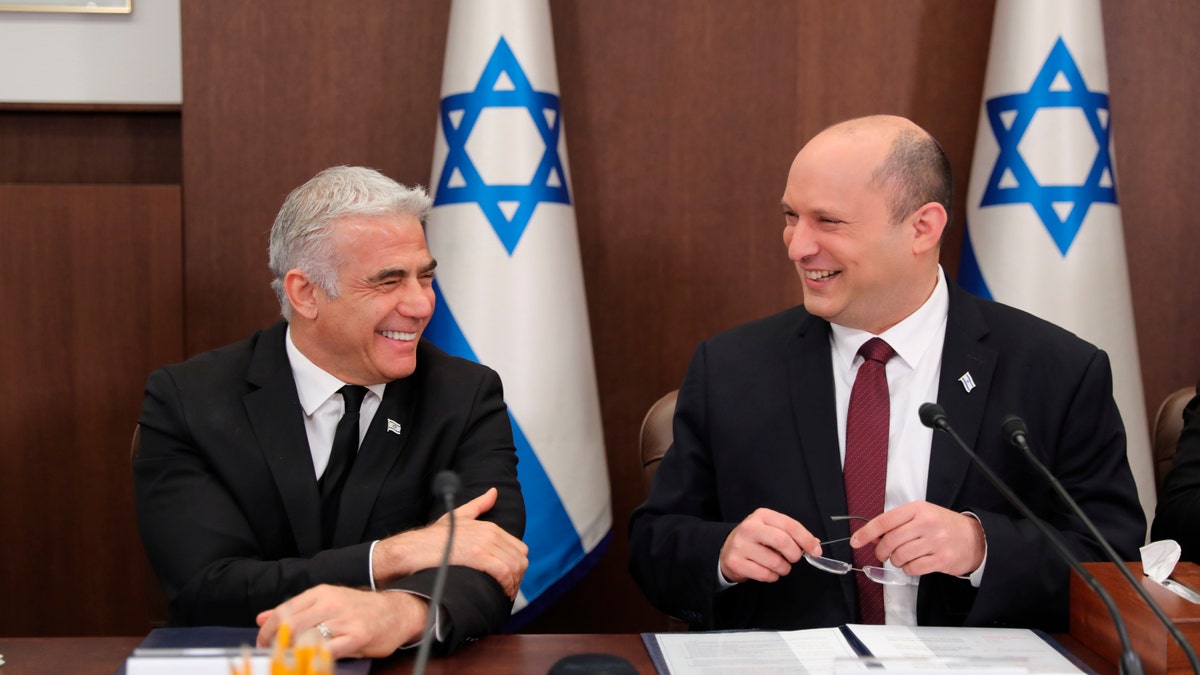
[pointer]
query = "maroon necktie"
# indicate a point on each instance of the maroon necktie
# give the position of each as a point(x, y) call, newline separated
point(865, 470)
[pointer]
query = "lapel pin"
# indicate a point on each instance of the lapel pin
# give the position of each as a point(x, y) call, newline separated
point(393, 426)
point(968, 382)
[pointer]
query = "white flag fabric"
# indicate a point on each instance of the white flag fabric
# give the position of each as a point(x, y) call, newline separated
point(1043, 222)
point(509, 279)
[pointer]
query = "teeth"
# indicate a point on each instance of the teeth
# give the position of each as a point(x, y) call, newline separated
point(397, 335)
point(817, 275)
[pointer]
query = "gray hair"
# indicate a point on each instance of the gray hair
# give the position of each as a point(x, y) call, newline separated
point(301, 237)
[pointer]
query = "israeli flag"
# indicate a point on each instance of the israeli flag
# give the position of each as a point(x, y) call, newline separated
point(509, 279)
point(1043, 222)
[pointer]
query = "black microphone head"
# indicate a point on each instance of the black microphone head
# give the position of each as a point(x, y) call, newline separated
point(592, 664)
point(446, 484)
point(932, 415)
point(1013, 430)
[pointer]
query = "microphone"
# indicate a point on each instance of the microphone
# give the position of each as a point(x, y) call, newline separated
point(934, 416)
point(446, 486)
point(1013, 430)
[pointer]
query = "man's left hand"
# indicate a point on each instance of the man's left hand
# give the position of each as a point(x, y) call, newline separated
point(362, 623)
point(920, 538)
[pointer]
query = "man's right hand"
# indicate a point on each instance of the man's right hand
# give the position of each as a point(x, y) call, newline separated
point(764, 546)
point(478, 544)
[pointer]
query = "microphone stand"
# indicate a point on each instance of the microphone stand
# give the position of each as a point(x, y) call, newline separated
point(1014, 430)
point(446, 484)
point(934, 417)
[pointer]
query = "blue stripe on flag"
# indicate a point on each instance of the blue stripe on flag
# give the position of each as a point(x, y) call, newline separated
point(970, 277)
point(555, 591)
point(554, 544)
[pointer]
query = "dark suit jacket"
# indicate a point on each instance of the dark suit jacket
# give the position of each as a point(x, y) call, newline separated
point(755, 426)
point(1178, 515)
point(227, 498)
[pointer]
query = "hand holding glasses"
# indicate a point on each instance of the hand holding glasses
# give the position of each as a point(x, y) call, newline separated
point(881, 575)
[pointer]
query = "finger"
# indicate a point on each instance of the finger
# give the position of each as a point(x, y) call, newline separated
point(478, 506)
point(743, 545)
point(265, 635)
point(781, 543)
point(262, 617)
point(799, 538)
point(763, 565)
point(881, 525)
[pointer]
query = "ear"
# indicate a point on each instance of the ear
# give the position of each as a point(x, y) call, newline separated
point(302, 293)
point(928, 225)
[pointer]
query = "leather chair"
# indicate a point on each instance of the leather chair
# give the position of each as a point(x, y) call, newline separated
point(1168, 423)
point(656, 437)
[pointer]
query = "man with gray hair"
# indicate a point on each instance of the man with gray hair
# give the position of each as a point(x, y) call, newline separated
point(287, 477)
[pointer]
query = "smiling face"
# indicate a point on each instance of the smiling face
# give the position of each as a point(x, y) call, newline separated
point(858, 267)
point(369, 333)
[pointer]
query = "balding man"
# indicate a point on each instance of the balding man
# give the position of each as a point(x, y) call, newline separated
point(803, 491)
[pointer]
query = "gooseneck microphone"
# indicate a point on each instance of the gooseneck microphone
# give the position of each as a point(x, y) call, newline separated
point(446, 486)
point(1013, 430)
point(934, 416)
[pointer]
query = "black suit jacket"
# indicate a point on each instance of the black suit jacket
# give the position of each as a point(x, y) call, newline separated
point(1178, 515)
point(755, 426)
point(227, 499)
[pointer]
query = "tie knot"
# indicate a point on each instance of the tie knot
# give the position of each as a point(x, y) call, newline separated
point(876, 349)
point(352, 395)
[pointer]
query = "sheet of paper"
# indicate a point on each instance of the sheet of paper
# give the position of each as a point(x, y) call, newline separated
point(983, 647)
point(805, 651)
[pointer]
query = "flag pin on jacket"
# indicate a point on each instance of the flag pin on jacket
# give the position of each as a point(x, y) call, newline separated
point(968, 382)
point(393, 426)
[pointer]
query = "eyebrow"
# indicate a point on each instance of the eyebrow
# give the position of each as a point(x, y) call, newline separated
point(393, 272)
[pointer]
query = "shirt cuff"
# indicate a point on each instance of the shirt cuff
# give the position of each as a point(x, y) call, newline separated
point(371, 564)
point(438, 630)
point(722, 582)
point(976, 577)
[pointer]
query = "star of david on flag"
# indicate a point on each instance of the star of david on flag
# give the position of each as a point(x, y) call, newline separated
point(1043, 230)
point(509, 285)
point(1061, 208)
point(508, 207)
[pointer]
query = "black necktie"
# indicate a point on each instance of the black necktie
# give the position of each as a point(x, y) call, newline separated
point(345, 448)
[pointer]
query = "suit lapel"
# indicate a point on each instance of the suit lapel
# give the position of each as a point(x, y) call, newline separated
point(278, 422)
point(380, 449)
point(810, 375)
point(816, 418)
point(963, 389)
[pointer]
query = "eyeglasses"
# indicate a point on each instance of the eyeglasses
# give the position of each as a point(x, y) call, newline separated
point(880, 575)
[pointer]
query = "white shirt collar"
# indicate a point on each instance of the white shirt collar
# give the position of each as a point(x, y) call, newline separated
point(314, 385)
point(910, 338)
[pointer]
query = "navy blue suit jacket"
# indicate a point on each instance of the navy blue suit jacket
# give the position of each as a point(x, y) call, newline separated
point(755, 426)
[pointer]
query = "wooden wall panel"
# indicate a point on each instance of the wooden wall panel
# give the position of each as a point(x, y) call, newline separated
point(1154, 72)
point(681, 119)
point(92, 299)
point(274, 91)
point(83, 145)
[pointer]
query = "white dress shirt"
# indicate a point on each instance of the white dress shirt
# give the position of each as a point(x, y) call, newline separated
point(323, 408)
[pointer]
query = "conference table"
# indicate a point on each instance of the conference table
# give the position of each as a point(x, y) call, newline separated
point(494, 655)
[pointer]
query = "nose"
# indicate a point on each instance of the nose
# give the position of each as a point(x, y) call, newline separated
point(799, 241)
point(417, 300)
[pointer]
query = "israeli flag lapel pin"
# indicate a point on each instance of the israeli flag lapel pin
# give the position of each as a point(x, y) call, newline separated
point(968, 382)
point(393, 426)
